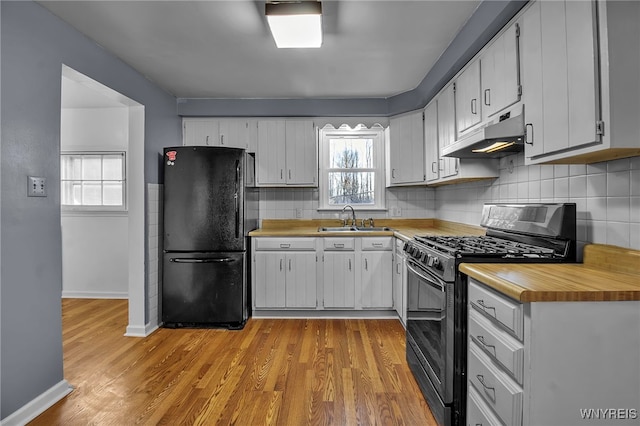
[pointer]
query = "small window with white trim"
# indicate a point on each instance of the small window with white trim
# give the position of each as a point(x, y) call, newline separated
point(93, 181)
point(352, 168)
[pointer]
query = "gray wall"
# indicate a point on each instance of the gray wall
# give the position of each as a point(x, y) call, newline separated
point(34, 46)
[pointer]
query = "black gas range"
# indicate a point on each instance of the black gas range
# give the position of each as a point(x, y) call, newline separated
point(437, 293)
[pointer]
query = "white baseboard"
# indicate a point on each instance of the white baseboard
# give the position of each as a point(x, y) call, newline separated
point(140, 331)
point(95, 295)
point(325, 314)
point(38, 405)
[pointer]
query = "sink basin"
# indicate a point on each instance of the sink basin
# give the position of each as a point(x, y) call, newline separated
point(338, 229)
point(374, 228)
point(354, 229)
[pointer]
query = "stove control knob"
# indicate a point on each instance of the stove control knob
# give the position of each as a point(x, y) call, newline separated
point(430, 260)
point(436, 263)
point(423, 256)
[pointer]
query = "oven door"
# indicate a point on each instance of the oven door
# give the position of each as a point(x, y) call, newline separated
point(430, 326)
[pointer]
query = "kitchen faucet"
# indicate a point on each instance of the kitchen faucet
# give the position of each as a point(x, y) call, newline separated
point(353, 214)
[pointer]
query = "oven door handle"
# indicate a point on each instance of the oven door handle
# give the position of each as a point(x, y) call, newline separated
point(427, 279)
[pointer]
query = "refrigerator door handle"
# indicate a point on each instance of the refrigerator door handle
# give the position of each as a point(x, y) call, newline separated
point(202, 260)
point(236, 200)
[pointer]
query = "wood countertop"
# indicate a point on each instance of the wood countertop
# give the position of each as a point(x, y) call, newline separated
point(609, 273)
point(401, 228)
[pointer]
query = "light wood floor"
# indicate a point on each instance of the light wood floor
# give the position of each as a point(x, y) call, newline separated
point(281, 372)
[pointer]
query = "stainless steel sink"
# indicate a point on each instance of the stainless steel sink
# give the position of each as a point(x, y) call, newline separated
point(353, 229)
point(338, 229)
point(374, 228)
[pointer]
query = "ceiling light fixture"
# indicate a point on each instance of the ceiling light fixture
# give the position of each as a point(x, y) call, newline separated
point(295, 24)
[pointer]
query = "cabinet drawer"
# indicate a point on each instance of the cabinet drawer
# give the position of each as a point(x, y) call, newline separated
point(497, 389)
point(504, 311)
point(478, 414)
point(339, 243)
point(497, 343)
point(285, 243)
point(377, 243)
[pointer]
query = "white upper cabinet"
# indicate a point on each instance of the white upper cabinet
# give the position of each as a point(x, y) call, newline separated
point(580, 81)
point(447, 130)
point(431, 141)
point(231, 132)
point(406, 149)
point(301, 153)
point(200, 132)
point(468, 106)
point(560, 76)
point(440, 132)
point(499, 73)
point(287, 153)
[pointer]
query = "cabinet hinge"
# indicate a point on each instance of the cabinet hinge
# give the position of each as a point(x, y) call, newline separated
point(422, 115)
point(519, 89)
point(454, 87)
point(517, 30)
point(600, 127)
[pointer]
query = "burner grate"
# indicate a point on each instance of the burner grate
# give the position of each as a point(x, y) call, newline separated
point(483, 245)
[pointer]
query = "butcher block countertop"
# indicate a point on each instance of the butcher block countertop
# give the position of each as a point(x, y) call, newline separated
point(401, 228)
point(609, 273)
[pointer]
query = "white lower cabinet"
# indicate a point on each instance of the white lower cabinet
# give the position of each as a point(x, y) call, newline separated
point(551, 363)
point(339, 272)
point(284, 273)
point(399, 281)
point(376, 262)
point(356, 273)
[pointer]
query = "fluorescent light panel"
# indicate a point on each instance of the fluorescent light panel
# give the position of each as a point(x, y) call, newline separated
point(295, 24)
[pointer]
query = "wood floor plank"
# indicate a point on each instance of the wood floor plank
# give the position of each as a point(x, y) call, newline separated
point(273, 372)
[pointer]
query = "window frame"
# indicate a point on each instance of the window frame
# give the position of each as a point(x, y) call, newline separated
point(70, 208)
point(377, 134)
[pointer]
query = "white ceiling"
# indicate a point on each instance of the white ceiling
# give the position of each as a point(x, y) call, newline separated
point(223, 49)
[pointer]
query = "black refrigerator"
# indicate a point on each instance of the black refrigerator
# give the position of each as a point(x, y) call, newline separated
point(208, 211)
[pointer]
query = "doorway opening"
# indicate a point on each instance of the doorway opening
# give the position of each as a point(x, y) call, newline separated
point(102, 195)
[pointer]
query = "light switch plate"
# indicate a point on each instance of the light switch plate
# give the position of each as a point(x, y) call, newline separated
point(36, 186)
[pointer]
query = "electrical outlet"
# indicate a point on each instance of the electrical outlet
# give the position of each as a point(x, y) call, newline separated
point(298, 213)
point(396, 211)
point(36, 186)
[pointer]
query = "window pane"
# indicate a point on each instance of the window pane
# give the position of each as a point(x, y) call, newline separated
point(351, 188)
point(92, 167)
point(91, 193)
point(112, 167)
point(112, 193)
point(71, 195)
point(351, 153)
point(71, 167)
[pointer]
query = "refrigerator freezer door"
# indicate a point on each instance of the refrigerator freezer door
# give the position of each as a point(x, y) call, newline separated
point(202, 289)
point(204, 199)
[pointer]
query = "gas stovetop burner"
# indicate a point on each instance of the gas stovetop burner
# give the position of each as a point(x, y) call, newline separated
point(482, 245)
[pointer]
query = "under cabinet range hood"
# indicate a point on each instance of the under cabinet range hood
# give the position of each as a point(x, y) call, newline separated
point(495, 140)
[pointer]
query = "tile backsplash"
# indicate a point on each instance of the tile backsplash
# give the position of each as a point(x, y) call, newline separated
point(607, 197)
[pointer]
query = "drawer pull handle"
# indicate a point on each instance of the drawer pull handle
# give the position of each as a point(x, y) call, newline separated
point(485, 307)
point(349, 264)
point(480, 378)
point(481, 340)
point(377, 244)
point(336, 245)
point(285, 245)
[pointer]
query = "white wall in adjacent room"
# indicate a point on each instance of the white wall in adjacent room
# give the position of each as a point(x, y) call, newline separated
point(94, 245)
